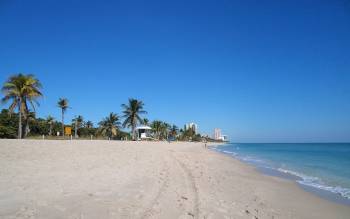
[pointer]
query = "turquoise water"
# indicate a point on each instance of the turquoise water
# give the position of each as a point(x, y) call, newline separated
point(321, 166)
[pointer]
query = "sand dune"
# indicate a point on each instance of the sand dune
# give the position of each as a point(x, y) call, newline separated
point(111, 179)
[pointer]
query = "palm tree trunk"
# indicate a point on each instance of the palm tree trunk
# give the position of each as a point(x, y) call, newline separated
point(76, 129)
point(133, 132)
point(62, 123)
point(26, 130)
point(19, 122)
point(50, 130)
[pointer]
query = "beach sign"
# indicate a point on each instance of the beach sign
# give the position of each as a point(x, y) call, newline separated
point(67, 130)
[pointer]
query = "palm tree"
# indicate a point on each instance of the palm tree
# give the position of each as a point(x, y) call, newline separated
point(157, 128)
point(145, 121)
point(110, 125)
point(132, 113)
point(77, 124)
point(174, 130)
point(166, 127)
point(63, 104)
point(50, 120)
point(21, 89)
point(89, 124)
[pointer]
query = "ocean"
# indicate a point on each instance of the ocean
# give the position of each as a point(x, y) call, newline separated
point(323, 168)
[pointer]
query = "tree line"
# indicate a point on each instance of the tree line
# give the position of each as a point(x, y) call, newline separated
point(22, 92)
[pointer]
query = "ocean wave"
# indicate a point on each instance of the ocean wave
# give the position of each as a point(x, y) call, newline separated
point(251, 159)
point(317, 183)
point(229, 152)
point(226, 152)
point(247, 159)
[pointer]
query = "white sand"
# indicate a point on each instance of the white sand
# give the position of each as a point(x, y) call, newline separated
point(110, 179)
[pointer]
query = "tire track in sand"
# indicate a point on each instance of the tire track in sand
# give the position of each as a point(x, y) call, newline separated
point(193, 208)
point(177, 194)
point(150, 211)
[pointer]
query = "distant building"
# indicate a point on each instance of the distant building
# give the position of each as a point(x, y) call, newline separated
point(192, 126)
point(224, 138)
point(218, 136)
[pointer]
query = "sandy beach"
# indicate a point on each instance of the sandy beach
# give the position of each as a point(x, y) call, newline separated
point(113, 179)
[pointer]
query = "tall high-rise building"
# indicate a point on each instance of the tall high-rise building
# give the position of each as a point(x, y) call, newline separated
point(217, 134)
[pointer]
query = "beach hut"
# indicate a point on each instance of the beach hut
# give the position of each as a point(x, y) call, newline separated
point(143, 132)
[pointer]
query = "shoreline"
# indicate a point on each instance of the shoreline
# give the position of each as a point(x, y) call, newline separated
point(112, 179)
point(321, 193)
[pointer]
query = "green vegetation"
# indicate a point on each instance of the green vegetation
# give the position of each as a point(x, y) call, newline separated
point(189, 135)
point(110, 125)
point(38, 126)
point(8, 124)
point(24, 90)
point(174, 130)
point(132, 112)
point(162, 130)
point(50, 120)
point(145, 121)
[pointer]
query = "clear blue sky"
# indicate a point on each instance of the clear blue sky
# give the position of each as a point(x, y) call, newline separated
point(262, 71)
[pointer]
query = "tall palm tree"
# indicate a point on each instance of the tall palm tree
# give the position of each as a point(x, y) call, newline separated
point(21, 89)
point(132, 112)
point(63, 104)
point(77, 124)
point(110, 125)
point(50, 120)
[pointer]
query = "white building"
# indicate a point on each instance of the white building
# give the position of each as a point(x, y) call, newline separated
point(192, 126)
point(224, 138)
point(143, 132)
point(218, 136)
